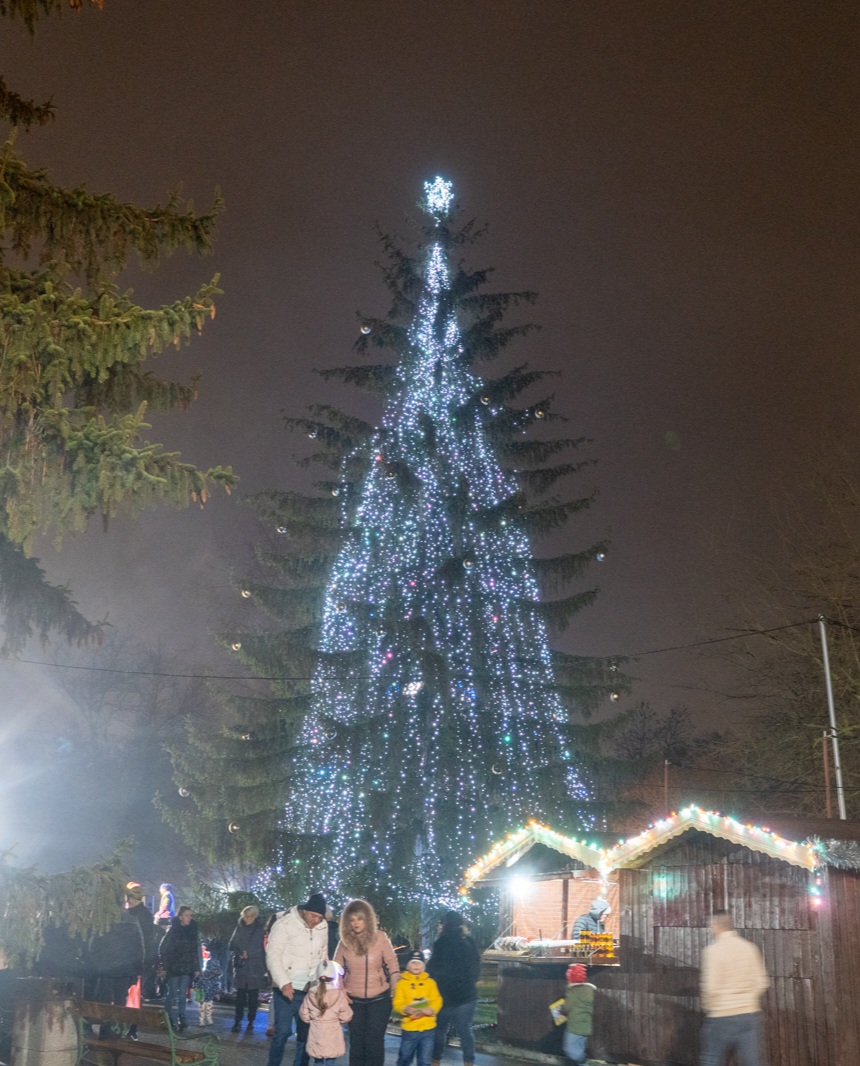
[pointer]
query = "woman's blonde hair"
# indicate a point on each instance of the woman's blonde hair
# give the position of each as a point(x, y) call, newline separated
point(359, 942)
point(250, 910)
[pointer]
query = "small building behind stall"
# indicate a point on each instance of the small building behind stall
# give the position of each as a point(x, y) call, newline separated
point(794, 892)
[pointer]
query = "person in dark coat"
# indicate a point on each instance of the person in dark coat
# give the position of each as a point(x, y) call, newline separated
point(115, 960)
point(455, 965)
point(402, 949)
point(593, 921)
point(333, 932)
point(248, 962)
point(137, 911)
point(179, 961)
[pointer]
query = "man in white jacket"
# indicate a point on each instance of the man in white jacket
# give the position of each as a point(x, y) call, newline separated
point(298, 943)
point(733, 980)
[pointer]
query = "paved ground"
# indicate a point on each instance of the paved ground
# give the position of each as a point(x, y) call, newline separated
point(251, 1048)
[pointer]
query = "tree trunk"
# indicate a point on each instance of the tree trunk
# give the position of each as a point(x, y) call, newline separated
point(44, 1031)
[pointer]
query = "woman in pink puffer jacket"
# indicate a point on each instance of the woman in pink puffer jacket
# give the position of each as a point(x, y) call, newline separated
point(371, 971)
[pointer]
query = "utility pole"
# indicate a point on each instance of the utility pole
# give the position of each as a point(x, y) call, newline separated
point(666, 787)
point(827, 807)
point(834, 736)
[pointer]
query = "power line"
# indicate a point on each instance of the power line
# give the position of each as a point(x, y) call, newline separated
point(208, 676)
point(713, 640)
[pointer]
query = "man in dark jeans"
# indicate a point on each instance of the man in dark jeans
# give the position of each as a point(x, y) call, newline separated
point(179, 961)
point(455, 965)
point(298, 943)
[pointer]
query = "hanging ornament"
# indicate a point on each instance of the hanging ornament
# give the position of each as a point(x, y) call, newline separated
point(540, 413)
point(341, 607)
point(282, 530)
point(365, 329)
point(468, 563)
point(613, 668)
point(184, 793)
point(497, 769)
point(615, 696)
point(312, 433)
point(485, 400)
point(600, 557)
point(233, 827)
point(245, 594)
point(246, 736)
point(380, 631)
point(335, 491)
point(390, 473)
point(236, 645)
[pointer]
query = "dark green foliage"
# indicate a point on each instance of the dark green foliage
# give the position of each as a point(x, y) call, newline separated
point(73, 384)
point(30, 11)
point(83, 901)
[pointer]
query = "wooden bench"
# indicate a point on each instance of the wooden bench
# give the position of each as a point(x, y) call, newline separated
point(105, 1050)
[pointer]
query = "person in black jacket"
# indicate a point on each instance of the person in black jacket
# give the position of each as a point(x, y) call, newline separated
point(455, 965)
point(179, 961)
point(249, 964)
point(137, 911)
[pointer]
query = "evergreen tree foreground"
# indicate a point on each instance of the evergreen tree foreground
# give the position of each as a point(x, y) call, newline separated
point(74, 390)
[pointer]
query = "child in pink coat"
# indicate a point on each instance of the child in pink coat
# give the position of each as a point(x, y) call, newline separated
point(326, 1008)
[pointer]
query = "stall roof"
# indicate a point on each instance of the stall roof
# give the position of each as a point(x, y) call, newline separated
point(804, 842)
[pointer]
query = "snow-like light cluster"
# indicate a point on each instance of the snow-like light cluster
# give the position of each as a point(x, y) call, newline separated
point(438, 197)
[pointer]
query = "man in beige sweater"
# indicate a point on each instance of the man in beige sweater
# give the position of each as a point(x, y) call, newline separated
point(733, 980)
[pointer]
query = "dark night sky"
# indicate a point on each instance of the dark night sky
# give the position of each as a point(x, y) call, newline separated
point(677, 180)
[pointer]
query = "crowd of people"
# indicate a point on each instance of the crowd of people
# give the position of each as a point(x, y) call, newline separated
point(323, 975)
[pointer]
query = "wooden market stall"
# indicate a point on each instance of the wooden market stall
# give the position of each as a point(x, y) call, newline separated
point(792, 888)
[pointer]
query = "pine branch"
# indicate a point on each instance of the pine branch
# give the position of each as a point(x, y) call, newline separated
point(93, 233)
point(541, 479)
point(83, 901)
point(296, 508)
point(23, 113)
point(86, 465)
point(377, 378)
point(557, 572)
point(56, 341)
point(30, 11)
point(518, 452)
point(557, 614)
point(482, 342)
point(295, 570)
point(30, 606)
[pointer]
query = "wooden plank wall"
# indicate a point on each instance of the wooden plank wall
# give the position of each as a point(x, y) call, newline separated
point(842, 895)
point(648, 1010)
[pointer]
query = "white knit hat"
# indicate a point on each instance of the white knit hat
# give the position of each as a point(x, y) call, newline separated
point(329, 970)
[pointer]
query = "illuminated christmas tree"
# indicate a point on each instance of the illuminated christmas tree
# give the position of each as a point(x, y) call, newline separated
point(415, 710)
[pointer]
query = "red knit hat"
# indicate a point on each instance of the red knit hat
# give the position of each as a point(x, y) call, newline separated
point(576, 973)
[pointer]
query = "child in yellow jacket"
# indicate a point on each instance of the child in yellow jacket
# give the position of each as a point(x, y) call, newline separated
point(417, 999)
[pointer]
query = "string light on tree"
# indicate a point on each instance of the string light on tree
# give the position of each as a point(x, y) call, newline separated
point(451, 697)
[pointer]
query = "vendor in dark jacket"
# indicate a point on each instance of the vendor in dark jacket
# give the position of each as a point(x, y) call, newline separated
point(455, 965)
point(179, 961)
point(249, 964)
